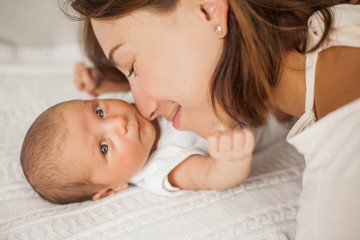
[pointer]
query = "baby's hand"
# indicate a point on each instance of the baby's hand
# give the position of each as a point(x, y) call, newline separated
point(95, 83)
point(229, 144)
point(86, 79)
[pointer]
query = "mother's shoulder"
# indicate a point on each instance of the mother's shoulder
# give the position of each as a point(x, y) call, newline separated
point(337, 80)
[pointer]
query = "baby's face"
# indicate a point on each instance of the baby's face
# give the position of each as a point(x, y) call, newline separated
point(107, 138)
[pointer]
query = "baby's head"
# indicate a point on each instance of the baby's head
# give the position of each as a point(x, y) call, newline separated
point(80, 150)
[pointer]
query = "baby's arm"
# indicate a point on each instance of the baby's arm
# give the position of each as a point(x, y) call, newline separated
point(95, 83)
point(229, 164)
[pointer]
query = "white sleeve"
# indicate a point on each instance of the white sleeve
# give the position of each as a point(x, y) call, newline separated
point(154, 176)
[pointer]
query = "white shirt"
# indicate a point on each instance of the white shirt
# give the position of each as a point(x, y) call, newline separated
point(329, 205)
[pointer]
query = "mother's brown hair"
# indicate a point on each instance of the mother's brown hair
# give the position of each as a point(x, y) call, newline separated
point(259, 32)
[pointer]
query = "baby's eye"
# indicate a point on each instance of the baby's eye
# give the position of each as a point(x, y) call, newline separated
point(132, 70)
point(104, 147)
point(99, 112)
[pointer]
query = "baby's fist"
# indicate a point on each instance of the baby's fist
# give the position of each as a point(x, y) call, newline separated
point(230, 144)
point(86, 78)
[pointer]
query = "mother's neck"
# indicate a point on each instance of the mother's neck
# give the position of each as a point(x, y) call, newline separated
point(289, 92)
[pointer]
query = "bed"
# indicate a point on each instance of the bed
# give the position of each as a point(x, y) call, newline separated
point(32, 78)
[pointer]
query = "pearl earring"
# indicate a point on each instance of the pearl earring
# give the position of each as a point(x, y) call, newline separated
point(218, 30)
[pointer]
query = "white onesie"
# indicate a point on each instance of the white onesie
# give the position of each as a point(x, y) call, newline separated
point(173, 147)
point(329, 206)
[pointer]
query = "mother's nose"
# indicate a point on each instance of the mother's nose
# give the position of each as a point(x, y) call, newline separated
point(147, 108)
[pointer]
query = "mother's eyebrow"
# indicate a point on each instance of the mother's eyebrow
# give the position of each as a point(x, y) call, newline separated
point(111, 53)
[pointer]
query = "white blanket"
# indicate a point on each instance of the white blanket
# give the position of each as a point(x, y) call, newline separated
point(262, 207)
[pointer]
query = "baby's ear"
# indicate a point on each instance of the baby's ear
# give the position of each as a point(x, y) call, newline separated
point(108, 191)
point(121, 187)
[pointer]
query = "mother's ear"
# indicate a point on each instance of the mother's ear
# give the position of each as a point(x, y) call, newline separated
point(109, 190)
point(215, 12)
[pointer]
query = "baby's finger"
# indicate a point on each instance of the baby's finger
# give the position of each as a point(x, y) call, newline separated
point(88, 81)
point(249, 144)
point(225, 142)
point(238, 140)
point(223, 127)
point(93, 94)
point(212, 144)
point(78, 79)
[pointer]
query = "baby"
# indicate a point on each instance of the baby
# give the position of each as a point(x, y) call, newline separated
point(89, 149)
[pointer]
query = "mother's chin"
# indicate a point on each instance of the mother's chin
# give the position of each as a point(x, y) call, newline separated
point(204, 127)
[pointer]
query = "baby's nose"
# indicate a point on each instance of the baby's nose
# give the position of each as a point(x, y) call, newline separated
point(118, 124)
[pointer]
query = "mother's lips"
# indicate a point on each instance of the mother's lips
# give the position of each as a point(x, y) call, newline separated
point(172, 115)
point(177, 118)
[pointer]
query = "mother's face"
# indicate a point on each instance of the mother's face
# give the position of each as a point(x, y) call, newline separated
point(173, 57)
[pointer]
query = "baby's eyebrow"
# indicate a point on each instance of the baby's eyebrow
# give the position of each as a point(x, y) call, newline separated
point(92, 104)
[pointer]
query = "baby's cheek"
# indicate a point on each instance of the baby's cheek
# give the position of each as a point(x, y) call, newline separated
point(138, 159)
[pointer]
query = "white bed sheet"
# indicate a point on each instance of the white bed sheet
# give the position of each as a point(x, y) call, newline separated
point(32, 79)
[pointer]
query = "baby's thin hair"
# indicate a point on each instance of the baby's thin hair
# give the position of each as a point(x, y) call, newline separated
point(45, 164)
